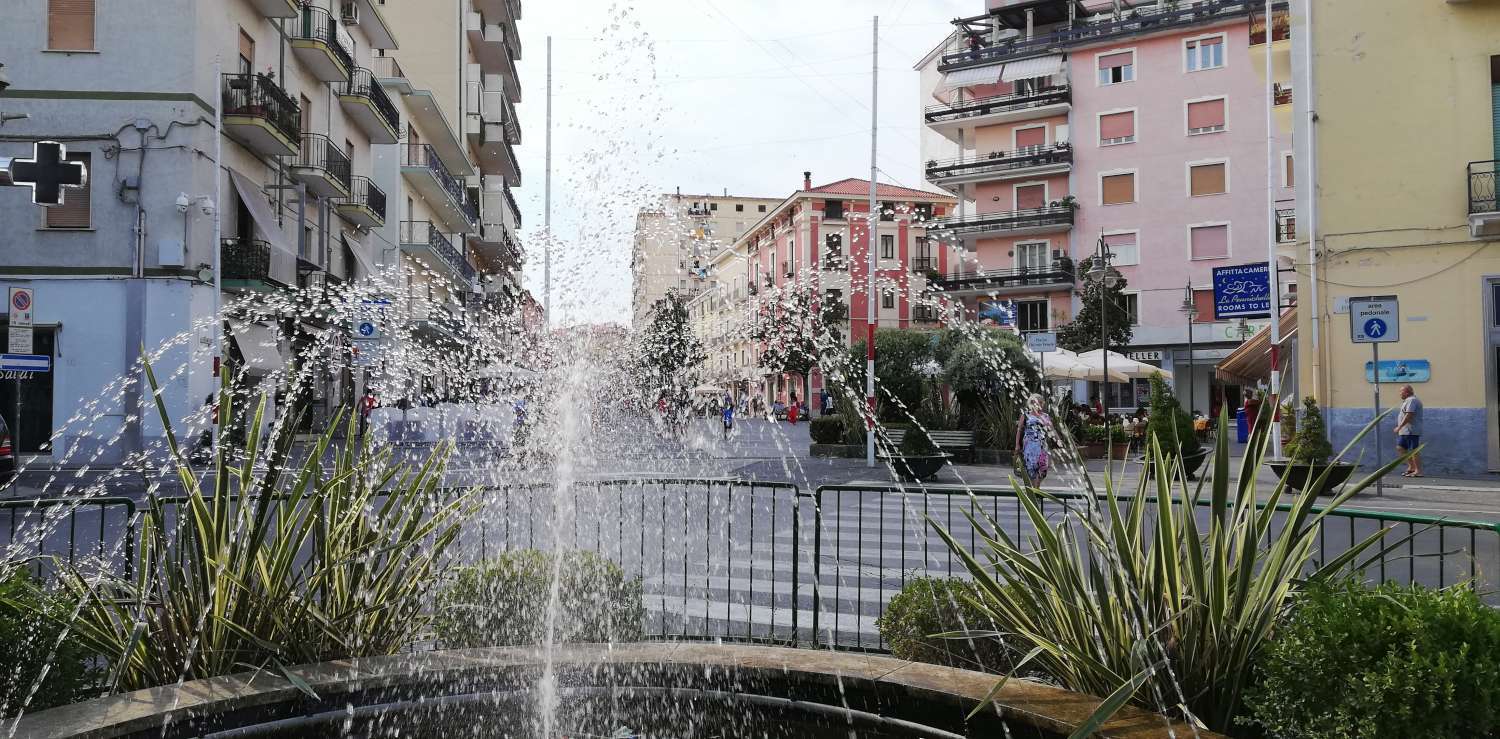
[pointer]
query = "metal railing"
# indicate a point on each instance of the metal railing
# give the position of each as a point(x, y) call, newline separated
point(319, 152)
point(1009, 220)
point(1056, 274)
point(362, 84)
point(252, 259)
point(767, 562)
point(1286, 225)
point(1145, 19)
point(424, 155)
point(1010, 102)
point(318, 25)
point(924, 264)
point(515, 210)
point(1482, 186)
point(259, 96)
point(1281, 28)
point(1281, 94)
point(1001, 161)
point(364, 191)
point(386, 67)
point(424, 233)
point(924, 314)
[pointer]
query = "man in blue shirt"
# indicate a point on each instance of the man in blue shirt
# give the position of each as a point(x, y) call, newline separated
point(728, 414)
point(1409, 430)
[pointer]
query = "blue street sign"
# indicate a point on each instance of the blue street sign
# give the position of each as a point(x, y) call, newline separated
point(25, 363)
point(1375, 328)
point(366, 328)
point(1374, 320)
point(1242, 291)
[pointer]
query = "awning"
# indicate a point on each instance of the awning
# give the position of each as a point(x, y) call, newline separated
point(260, 212)
point(1251, 361)
point(357, 249)
point(259, 345)
point(972, 76)
point(1040, 66)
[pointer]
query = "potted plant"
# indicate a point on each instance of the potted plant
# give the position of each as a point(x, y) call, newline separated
point(918, 458)
point(1288, 413)
point(1095, 436)
point(1308, 466)
point(1172, 428)
point(1119, 440)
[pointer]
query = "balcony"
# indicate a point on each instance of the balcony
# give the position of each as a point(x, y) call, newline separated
point(259, 114)
point(924, 314)
point(924, 265)
point(1286, 225)
point(316, 43)
point(496, 242)
point(365, 205)
point(322, 167)
point(833, 260)
point(948, 118)
point(1280, 47)
point(278, 8)
point(364, 101)
point(493, 46)
point(254, 265)
point(425, 172)
point(505, 12)
point(1137, 21)
point(429, 245)
point(1004, 223)
point(489, 129)
point(1050, 278)
point(388, 73)
point(1484, 209)
point(1002, 165)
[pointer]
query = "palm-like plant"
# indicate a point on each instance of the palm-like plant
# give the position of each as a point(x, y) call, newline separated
point(1130, 598)
point(271, 568)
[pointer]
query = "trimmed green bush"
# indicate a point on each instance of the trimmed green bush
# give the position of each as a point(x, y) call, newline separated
point(30, 621)
point(927, 606)
point(916, 443)
point(1168, 422)
point(503, 602)
point(1352, 662)
point(1310, 443)
point(827, 429)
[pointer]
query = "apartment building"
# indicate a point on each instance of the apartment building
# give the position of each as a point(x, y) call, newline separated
point(676, 237)
point(1137, 128)
point(1395, 200)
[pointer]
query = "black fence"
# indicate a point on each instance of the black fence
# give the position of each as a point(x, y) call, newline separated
point(257, 95)
point(1482, 198)
point(763, 562)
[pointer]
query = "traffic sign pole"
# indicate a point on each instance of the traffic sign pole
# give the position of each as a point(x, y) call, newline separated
point(1379, 443)
point(1375, 320)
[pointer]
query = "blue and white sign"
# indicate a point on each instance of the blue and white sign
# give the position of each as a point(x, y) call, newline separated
point(1398, 371)
point(25, 363)
point(1242, 291)
point(998, 313)
point(1374, 320)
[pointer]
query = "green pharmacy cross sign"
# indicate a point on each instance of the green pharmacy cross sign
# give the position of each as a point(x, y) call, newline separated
point(48, 173)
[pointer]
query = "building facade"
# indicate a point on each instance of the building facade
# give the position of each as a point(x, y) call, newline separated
point(314, 182)
point(1136, 128)
point(1396, 201)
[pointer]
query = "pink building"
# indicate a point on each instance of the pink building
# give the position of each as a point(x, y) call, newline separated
point(1139, 124)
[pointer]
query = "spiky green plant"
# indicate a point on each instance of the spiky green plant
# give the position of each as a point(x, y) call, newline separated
point(1129, 598)
point(270, 568)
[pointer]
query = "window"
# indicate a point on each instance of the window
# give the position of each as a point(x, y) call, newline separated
point(887, 211)
point(1288, 172)
point(833, 248)
point(888, 299)
point(349, 151)
point(1116, 128)
point(70, 25)
point(306, 114)
point(1123, 248)
point(739, 208)
point(1208, 179)
point(1205, 53)
point(1131, 305)
point(1031, 196)
point(922, 211)
point(1205, 116)
point(1116, 68)
point(1117, 189)
point(1208, 242)
point(1034, 137)
point(1035, 256)
point(887, 246)
point(833, 209)
point(713, 206)
point(762, 208)
point(247, 53)
point(74, 211)
point(1031, 315)
point(1203, 300)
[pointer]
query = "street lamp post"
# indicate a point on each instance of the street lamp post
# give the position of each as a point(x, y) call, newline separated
point(1106, 277)
point(1189, 310)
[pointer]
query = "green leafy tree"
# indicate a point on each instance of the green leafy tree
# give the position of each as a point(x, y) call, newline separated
point(796, 333)
point(1082, 333)
point(1168, 422)
point(900, 387)
point(1310, 445)
point(669, 352)
point(991, 376)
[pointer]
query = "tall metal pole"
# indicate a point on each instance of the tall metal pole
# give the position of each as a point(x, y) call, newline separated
point(1103, 286)
point(1275, 273)
point(547, 205)
point(1379, 444)
point(1192, 389)
point(218, 335)
point(870, 230)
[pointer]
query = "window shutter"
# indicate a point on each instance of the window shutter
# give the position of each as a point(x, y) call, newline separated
point(74, 211)
point(1116, 126)
point(1291, 170)
point(1207, 179)
point(1206, 114)
point(1495, 115)
point(1203, 300)
point(1210, 242)
point(1110, 61)
point(1031, 196)
point(1124, 249)
point(1029, 137)
point(1119, 188)
point(70, 25)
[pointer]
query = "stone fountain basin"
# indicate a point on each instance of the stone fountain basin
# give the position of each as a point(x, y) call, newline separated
point(873, 695)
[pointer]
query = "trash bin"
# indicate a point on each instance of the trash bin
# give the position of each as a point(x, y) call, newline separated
point(1241, 426)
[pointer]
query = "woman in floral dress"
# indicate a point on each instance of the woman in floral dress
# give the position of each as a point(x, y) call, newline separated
point(1031, 440)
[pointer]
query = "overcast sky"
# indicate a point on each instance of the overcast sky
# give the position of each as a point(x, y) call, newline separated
point(653, 95)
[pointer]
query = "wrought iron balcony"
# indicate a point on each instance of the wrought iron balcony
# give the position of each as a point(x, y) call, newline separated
point(423, 158)
point(322, 167)
point(1281, 94)
point(987, 280)
point(365, 205)
point(259, 112)
point(1009, 103)
point(366, 102)
point(1029, 220)
point(924, 314)
point(1286, 225)
point(1000, 162)
point(1484, 208)
point(315, 40)
point(424, 235)
point(250, 260)
point(924, 264)
point(1147, 19)
point(832, 260)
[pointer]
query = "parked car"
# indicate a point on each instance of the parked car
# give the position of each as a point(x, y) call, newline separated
point(7, 454)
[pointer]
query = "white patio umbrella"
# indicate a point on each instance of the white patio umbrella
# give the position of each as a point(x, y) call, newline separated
point(1063, 365)
point(1121, 367)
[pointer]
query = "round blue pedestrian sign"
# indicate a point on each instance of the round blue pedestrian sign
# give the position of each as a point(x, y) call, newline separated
point(1375, 328)
point(366, 329)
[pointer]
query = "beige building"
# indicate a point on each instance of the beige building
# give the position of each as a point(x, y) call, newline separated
point(676, 239)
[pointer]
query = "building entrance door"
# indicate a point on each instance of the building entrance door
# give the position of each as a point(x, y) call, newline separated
point(33, 432)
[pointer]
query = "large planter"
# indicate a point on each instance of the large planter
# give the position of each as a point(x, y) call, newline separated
point(917, 468)
point(1092, 451)
point(1304, 476)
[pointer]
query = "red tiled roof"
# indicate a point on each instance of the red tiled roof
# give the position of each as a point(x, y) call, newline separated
point(854, 186)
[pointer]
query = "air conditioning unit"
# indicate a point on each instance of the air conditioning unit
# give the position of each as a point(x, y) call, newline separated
point(351, 13)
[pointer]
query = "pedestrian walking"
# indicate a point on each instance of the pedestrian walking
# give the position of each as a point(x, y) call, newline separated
point(728, 415)
point(1409, 430)
point(1031, 440)
point(791, 410)
point(366, 404)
